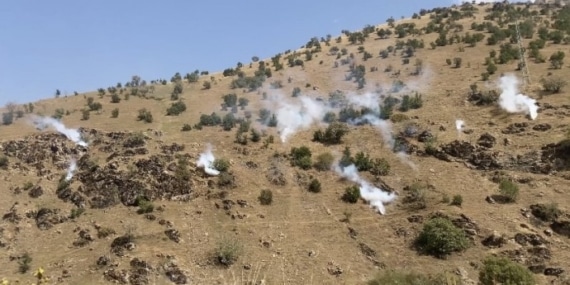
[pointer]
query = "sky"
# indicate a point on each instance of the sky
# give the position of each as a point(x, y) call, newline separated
point(81, 46)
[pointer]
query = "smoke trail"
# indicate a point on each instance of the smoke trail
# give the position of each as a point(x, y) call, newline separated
point(206, 161)
point(43, 122)
point(71, 170)
point(514, 102)
point(373, 195)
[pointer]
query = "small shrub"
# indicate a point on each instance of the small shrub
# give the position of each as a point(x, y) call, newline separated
point(115, 98)
point(397, 118)
point(145, 116)
point(226, 179)
point(76, 212)
point(145, 206)
point(324, 161)
point(85, 115)
point(380, 167)
point(351, 194)
point(301, 157)
point(176, 109)
point(222, 165)
point(509, 190)
point(228, 251)
point(439, 237)
point(7, 118)
point(500, 270)
point(457, 62)
point(553, 84)
point(457, 200)
point(186, 127)
point(4, 161)
point(332, 134)
point(24, 263)
point(265, 197)
point(115, 113)
point(315, 186)
point(104, 232)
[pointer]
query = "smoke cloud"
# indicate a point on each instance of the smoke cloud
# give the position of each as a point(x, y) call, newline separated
point(373, 195)
point(292, 118)
point(459, 125)
point(71, 170)
point(514, 102)
point(206, 161)
point(42, 123)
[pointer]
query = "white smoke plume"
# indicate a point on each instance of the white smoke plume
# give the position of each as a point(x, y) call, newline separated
point(514, 102)
point(459, 125)
point(71, 169)
point(72, 134)
point(292, 118)
point(374, 195)
point(206, 161)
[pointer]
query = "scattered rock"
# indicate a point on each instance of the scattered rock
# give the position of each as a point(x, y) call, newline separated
point(334, 269)
point(532, 239)
point(174, 273)
point(103, 261)
point(561, 228)
point(542, 127)
point(553, 271)
point(173, 235)
point(416, 219)
point(116, 275)
point(36, 191)
point(515, 128)
point(425, 136)
point(494, 240)
point(486, 140)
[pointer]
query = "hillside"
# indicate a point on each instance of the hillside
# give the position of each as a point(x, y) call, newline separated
point(403, 150)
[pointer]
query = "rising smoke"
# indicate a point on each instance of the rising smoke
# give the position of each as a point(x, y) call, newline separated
point(206, 160)
point(373, 195)
point(292, 118)
point(514, 102)
point(71, 170)
point(459, 125)
point(72, 134)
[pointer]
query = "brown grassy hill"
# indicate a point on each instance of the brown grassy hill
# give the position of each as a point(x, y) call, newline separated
point(139, 209)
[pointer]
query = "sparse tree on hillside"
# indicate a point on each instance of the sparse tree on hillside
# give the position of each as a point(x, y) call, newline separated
point(57, 93)
point(557, 59)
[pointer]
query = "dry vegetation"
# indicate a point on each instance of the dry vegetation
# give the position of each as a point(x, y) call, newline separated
point(485, 204)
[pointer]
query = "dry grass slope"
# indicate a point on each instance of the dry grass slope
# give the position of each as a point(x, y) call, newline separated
point(139, 210)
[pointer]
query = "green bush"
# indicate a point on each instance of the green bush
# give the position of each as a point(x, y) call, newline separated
point(301, 157)
point(500, 270)
point(265, 197)
point(314, 186)
point(351, 194)
point(324, 161)
point(457, 200)
point(186, 128)
point(228, 251)
point(85, 115)
point(222, 165)
point(115, 98)
point(439, 238)
point(115, 113)
point(145, 206)
point(332, 134)
point(145, 116)
point(509, 190)
point(76, 212)
point(24, 263)
point(4, 161)
point(7, 118)
point(553, 84)
point(380, 166)
point(176, 109)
